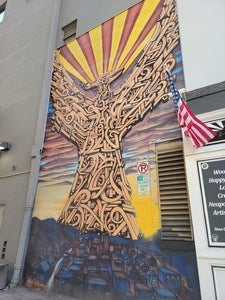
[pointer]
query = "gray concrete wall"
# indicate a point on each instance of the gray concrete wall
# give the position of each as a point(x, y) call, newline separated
point(89, 13)
point(24, 36)
point(207, 99)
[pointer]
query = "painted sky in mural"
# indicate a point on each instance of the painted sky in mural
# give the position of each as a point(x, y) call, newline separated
point(122, 43)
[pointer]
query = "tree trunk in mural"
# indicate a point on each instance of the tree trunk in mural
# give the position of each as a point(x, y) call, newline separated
point(100, 197)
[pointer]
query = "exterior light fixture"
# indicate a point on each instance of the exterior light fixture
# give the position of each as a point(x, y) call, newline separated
point(4, 146)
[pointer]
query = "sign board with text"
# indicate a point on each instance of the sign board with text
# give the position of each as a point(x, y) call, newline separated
point(143, 182)
point(212, 179)
point(143, 178)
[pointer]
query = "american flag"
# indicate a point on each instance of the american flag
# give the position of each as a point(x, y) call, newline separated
point(193, 128)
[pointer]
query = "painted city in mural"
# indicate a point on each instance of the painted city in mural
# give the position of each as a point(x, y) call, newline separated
point(95, 230)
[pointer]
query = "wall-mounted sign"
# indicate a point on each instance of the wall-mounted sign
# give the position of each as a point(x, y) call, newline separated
point(143, 180)
point(212, 178)
point(143, 168)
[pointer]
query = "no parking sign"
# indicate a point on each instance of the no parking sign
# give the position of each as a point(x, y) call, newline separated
point(143, 168)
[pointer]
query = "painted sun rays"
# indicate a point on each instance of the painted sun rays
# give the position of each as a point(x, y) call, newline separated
point(113, 45)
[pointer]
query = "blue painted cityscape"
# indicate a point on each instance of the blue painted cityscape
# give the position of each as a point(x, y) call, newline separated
point(99, 266)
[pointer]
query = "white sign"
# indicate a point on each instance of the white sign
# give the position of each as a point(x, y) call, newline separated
point(143, 168)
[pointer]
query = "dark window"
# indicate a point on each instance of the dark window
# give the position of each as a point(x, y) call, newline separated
point(70, 31)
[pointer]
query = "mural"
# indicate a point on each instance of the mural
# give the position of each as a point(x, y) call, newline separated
point(96, 224)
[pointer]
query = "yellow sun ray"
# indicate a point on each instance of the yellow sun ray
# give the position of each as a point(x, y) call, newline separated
point(117, 32)
point(139, 49)
point(77, 52)
point(68, 67)
point(96, 41)
point(147, 10)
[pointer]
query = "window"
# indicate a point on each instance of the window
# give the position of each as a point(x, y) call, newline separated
point(173, 193)
point(70, 30)
point(2, 11)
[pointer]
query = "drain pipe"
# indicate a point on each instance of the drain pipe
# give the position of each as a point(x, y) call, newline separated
point(37, 148)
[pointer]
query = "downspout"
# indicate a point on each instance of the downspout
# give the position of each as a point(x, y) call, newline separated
point(37, 148)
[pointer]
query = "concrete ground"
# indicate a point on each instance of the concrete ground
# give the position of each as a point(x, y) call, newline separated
point(23, 293)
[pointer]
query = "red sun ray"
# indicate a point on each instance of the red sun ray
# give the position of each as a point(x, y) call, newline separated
point(85, 44)
point(107, 29)
point(65, 52)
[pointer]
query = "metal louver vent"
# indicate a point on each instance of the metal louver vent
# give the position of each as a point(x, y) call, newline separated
point(174, 202)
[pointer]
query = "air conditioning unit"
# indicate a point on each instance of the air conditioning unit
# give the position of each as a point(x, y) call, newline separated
point(3, 274)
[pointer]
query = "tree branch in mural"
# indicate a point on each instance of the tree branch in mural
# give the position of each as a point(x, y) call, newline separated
point(100, 197)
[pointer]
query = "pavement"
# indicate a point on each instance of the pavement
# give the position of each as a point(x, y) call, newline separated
point(24, 293)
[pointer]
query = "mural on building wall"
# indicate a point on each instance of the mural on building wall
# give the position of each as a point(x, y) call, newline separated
point(96, 222)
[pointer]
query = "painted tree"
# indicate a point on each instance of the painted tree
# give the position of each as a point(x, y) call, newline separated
point(100, 197)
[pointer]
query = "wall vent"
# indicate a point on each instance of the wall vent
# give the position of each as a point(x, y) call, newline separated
point(173, 193)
